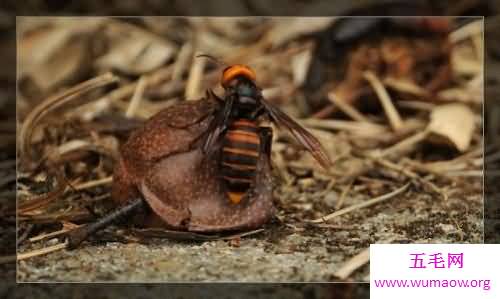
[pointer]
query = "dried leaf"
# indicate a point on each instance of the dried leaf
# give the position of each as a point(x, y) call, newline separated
point(288, 29)
point(38, 44)
point(55, 55)
point(452, 124)
point(215, 45)
point(465, 62)
point(134, 51)
point(237, 29)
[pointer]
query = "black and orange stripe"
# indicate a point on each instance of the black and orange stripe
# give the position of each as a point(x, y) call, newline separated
point(239, 158)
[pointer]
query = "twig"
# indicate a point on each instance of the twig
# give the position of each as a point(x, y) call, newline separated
point(443, 168)
point(137, 97)
point(245, 234)
point(30, 254)
point(300, 66)
point(194, 80)
point(80, 234)
point(161, 75)
point(365, 204)
point(385, 100)
point(411, 174)
point(405, 145)
point(406, 86)
point(360, 128)
point(78, 215)
point(50, 235)
point(154, 78)
point(325, 112)
point(343, 196)
point(94, 183)
point(426, 168)
point(353, 264)
point(43, 251)
point(416, 105)
point(184, 56)
point(347, 108)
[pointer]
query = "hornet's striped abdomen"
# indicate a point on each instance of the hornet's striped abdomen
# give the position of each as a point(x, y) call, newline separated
point(241, 147)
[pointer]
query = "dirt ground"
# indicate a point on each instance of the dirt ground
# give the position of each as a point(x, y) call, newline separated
point(278, 254)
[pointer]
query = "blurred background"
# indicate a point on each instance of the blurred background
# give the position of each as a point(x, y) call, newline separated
point(298, 68)
point(394, 101)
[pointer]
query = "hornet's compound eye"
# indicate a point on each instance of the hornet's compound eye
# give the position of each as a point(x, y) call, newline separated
point(237, 70)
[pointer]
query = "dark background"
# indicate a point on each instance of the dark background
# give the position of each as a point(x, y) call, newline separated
point(8, 11)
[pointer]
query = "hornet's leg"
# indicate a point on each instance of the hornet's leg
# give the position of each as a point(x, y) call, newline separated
point(76, 236)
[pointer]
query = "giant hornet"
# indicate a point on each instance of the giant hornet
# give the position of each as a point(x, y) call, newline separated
point(235, 130)
point(203, 166)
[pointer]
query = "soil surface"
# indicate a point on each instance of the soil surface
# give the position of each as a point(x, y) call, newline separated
point(281, 253)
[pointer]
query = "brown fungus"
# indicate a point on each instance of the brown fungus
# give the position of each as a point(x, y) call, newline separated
point(162, 163)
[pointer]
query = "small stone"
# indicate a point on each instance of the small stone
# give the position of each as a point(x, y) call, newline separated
point(447, 228)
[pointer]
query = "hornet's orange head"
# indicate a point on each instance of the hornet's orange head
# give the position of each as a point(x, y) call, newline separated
point(237, 70)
